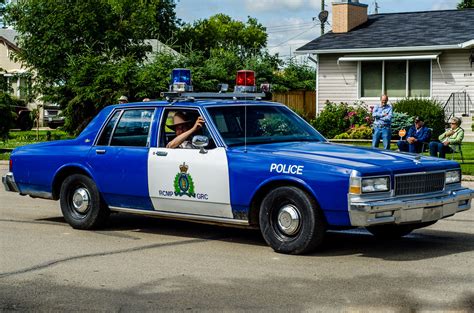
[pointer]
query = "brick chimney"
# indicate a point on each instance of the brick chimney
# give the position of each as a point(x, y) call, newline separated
point(347, 15)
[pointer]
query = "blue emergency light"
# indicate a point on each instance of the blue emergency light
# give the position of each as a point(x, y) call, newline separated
point(181, 80)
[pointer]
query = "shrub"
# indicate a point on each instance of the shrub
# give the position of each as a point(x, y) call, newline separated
point(430, 110)
point(358, 132)
point(400, 121)
point(336, 119)
point(6, 116)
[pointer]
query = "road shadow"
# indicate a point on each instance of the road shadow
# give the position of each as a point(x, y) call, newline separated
point(421, 244)
point(188, 292)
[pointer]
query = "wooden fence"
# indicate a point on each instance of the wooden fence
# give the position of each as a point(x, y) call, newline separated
point(301, 101)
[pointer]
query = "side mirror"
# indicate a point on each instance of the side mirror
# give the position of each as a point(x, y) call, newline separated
point(201, 142)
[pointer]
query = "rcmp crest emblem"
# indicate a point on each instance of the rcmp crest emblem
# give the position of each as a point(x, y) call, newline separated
point(183, 182)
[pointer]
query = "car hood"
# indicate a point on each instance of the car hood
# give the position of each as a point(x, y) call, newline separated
point(366, 160)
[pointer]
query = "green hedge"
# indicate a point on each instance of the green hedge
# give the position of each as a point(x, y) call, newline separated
point(336, 119)
point(430, 110)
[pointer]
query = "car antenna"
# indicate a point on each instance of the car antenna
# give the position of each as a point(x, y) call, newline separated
point(245, 128)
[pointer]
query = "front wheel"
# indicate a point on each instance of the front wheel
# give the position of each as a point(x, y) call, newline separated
point(81, 204)
point(290, 221)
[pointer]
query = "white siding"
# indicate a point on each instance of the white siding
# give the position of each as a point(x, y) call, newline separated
point(341, 83)
point(458, 75)
point(336, 83)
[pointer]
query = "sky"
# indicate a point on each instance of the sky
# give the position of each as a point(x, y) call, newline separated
point(290, 23)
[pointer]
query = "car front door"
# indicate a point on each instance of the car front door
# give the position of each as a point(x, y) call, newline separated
point(188, 181)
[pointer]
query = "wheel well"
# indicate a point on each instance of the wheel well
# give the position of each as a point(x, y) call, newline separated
point(61, 176)
point(260, 194)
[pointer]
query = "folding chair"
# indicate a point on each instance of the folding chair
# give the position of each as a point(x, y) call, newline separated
point(457, 148)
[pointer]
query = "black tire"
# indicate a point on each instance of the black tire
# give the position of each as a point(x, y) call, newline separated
point(81, 214)
point(25, 122)
point(390, 232)
point(299, 237)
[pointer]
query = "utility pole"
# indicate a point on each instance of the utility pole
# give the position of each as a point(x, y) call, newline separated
point(322, 23)
point(376, 11)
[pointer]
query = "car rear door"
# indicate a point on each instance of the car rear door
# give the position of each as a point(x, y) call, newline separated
point(119, 159)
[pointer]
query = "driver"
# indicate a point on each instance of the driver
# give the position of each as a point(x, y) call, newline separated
point(182, 125)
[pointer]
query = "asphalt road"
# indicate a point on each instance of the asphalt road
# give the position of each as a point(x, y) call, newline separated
point(146, 264)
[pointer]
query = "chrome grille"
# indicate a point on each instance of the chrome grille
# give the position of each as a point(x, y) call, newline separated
point(418, 183)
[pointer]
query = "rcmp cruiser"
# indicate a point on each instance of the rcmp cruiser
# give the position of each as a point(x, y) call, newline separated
point(257, 164)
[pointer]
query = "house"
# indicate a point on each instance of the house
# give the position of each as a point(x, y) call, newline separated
point(13, 70)
point(415, 54)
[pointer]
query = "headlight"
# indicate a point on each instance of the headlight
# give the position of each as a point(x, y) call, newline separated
point(453, 177)
point(360, 185)
point(376, 184)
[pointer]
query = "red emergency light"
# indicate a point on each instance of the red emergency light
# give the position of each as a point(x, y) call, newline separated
point(245, 81)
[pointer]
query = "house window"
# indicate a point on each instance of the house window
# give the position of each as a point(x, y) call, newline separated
point(23, 87)
point(397, 79)
point(371, 79)
point(419, 83)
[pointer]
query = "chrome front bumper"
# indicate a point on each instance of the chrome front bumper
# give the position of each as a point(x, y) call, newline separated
point(416, 209)
point(9, 182)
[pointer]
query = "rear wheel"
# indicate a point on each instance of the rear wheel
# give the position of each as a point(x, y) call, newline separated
point(290, 221)
point(81, 204)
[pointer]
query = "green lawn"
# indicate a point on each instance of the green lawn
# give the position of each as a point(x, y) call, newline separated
point(21, 138)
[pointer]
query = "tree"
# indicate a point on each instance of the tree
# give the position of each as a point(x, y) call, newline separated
point(466, 4)
point(6, 116)
point(222, 32)
point(56, 36)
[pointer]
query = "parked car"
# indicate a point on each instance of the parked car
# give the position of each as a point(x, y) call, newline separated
point(52, 117)
point(23, 119)
point(263, 167)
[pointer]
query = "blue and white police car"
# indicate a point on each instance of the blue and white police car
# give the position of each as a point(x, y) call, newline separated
point(256, 164)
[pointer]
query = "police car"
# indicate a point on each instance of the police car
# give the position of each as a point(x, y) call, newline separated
point(256, 164)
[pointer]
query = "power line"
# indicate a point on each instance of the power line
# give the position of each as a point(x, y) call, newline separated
point(288, 29)
point(281, 43)
point(286, 25)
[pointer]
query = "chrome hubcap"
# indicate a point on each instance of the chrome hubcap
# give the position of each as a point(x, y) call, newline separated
point(80, 200)
point(289, 220)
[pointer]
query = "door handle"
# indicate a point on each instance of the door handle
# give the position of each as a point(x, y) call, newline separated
point(161, 153)
point(100, 151)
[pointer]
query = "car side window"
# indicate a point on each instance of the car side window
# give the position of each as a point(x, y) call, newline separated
point(107, 131)
point(133, 128)
point(167, 133)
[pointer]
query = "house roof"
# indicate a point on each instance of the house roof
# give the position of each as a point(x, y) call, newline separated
point(428, 30)
point(10, 35)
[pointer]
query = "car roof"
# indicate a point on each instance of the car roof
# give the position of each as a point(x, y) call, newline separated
point(196, 103)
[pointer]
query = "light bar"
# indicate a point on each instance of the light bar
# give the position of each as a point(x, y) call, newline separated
point(245, 81)
point(181, 80)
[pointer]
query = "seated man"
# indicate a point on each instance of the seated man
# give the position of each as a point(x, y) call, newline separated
point(183, 129)
point(452, 136)
point(417, 134)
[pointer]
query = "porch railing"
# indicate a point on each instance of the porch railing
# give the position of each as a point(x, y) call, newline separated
point(459, 103)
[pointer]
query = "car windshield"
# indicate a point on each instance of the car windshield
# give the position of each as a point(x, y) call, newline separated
point(265, 124)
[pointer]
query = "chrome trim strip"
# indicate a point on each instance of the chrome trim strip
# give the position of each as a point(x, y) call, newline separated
point(182, 216)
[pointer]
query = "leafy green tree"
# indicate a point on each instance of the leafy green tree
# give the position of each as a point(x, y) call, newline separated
point(295, 77)
point(6, 116)
point(466, 4)
point(56, 36)
point(221, 31)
